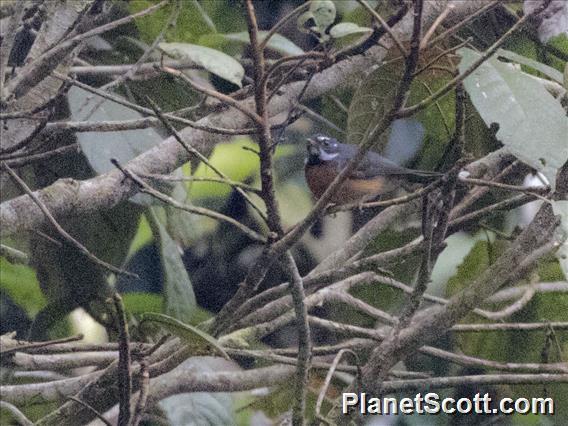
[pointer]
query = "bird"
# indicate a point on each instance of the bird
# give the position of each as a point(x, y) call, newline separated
point(372, 177)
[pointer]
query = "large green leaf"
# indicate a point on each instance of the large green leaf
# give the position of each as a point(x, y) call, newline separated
point(178, 292)
point(277, 42)
point(532, 124)
point(374, 98)
point(371, 101)
point(123, 145)
point(212, 60)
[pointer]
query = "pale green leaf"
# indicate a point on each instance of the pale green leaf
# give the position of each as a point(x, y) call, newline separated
point(198, 341)
point(344, 29)
point(532, 124)
point(178, 292)
point(277, 42)
point(324, 13)
point(212, 60)
point(539, 66)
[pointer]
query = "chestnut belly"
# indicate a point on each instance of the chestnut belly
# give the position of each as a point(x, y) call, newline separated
point(319, 177)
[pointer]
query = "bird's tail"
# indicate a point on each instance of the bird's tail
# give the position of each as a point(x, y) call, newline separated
point(423, 176)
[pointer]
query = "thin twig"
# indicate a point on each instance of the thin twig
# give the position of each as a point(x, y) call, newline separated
point(386, 27)
point(408, 111)
point(264, 136)
point(482, 379)
point(329, 376)
point(124, 363)
point(91, 409)
point(144, 187)
point(304, 339)
point(192, 151)
point(537, 190)
point(530, 326)
point(143, 394)
point(170, 23)
point(424, 42)
point(227, 100)
point(24, 347)
point(229, 182)
point(279, 24)
point(82, 249)
point(148, 111)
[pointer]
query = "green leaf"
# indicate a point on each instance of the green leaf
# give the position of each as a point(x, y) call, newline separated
point(374, 98)
point(277, 42)
point(317, 19)
point(539, 66)
point(178, 291)
point(122, 145)
point(141, 303)
point(20, 283)
point(199, 342)
point(142, 237)
point(371, 101)
point(212, 60)
point(347, 28)
point(532, 124)
point(324, 13)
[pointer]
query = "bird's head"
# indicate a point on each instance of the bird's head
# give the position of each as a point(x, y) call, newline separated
point(322, 148)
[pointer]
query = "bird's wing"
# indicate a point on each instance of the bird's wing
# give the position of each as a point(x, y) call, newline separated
point(374, 165)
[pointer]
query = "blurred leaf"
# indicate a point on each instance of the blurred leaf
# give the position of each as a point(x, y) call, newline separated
point(20, 283)
point(277, 42)
point(526, 113)
point(476, 261)
point(199, 408)
point(374, 97)
point(212, 60)
point(223, 158)
point(123, 145)
point(317, 19)
point(371, 101)
point(143, 236)
point(323, 12)
point(458, 246)
point(539, 66)
point(347, 28)
point(560, 207)
point(178, 291)
point(293, 212)
point(140, 303)
point(199, 342)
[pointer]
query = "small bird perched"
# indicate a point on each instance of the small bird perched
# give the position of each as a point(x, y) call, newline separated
point(373, 176)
